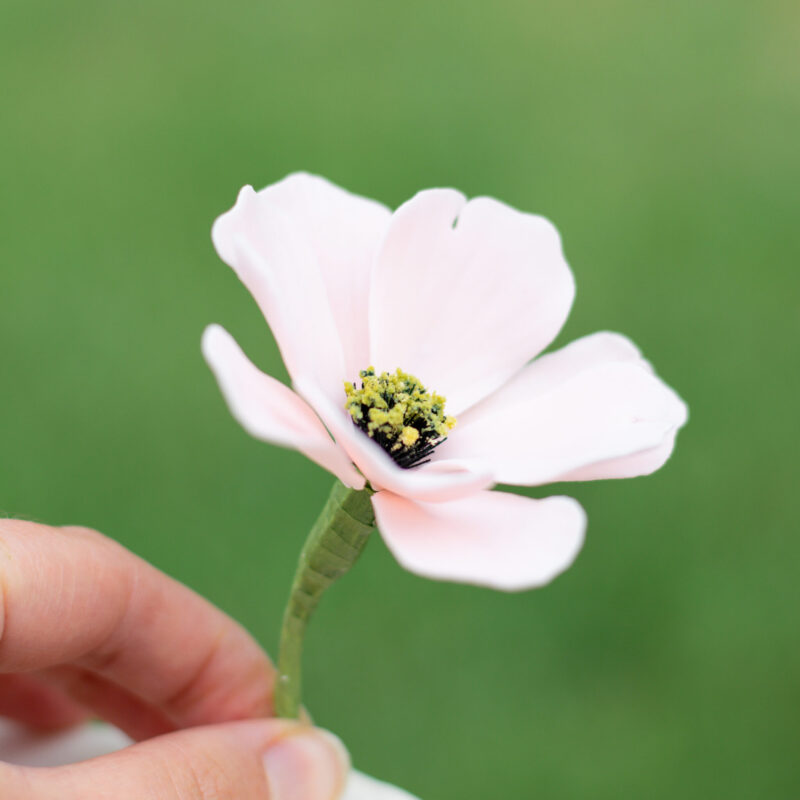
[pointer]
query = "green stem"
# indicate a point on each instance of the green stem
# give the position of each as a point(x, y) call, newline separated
point(334, 544)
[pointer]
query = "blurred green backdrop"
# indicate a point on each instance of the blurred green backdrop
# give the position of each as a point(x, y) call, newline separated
point(663, 140)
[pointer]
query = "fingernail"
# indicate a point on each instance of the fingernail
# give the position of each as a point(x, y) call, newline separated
point(306, 764)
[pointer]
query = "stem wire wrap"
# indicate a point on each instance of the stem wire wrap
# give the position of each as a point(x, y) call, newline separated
point(334, 544)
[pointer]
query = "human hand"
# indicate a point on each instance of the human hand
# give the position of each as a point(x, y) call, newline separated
point(87, 627)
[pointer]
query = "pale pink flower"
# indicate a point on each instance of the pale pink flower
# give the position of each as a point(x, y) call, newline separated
point(463, 295)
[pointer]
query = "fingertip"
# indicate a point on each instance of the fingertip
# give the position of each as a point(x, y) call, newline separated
point(306, 764)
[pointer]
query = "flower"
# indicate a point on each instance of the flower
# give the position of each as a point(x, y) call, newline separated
point(462, 295)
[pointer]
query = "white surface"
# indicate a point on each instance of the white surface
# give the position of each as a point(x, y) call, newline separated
point(362, 787)
point(17, 746)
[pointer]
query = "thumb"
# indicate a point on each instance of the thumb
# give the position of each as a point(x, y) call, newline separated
point(255, 760)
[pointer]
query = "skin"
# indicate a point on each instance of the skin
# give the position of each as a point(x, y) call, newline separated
point(88, 629)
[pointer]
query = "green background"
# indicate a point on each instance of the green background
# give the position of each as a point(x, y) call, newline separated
point(662, 138)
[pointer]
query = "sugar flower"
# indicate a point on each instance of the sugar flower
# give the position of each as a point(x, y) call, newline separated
point(413, 340)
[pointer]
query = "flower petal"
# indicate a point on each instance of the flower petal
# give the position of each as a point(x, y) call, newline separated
point(493, 539)
point(270, 411)
point(362, 787)
point(304, 248)
point(592, 410)
point(643, 463)
point(439, 481)
point(464, 294)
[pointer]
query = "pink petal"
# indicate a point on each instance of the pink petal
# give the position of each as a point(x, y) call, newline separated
point(464, 294)
point(642, 463)
point(439, 481)
point(270, 411)
point(493, 539)
point(592, 410)
point(304, 248)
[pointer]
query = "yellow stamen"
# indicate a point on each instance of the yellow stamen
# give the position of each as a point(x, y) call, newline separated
point(398, 412)
point(409, 435)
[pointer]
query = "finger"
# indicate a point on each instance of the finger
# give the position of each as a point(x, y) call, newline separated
point(257, 760)
point(137, 718)
point(70, 595)
point(28, 700)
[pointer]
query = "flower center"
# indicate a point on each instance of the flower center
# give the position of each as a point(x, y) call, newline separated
point(396, 410)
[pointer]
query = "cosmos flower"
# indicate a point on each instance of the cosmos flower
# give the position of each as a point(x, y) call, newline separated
point(413, 341)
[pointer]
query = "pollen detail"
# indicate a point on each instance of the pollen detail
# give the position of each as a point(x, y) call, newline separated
point(398, 412)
